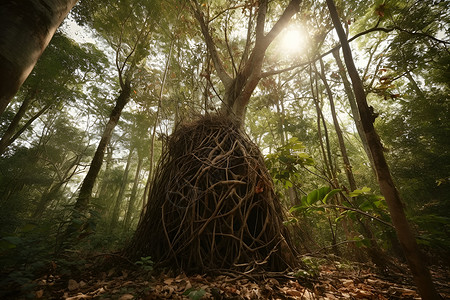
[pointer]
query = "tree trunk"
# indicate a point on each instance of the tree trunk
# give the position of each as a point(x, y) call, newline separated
point(353, 106)
point(158, 109)
point(238, 89)
point(337, 127)
point(88, 183)
point(131, 203)
point(6, 138)
point(374, 250)
point(420, 272)
point(27, 27)
point(123, 186)
point(104, 188)
point(325, 154)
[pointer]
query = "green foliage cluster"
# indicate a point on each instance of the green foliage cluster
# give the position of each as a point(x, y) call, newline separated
point(285, 162)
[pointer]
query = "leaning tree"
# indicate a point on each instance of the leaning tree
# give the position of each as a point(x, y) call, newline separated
point(212, 203)
point(26, 29)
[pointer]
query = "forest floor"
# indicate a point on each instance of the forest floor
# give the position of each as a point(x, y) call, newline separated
point(329, 280)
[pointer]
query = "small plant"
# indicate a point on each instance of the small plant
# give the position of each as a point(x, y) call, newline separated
point(146, 263)
point(195, 294)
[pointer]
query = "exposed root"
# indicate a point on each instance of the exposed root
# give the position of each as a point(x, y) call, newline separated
point(212, 204)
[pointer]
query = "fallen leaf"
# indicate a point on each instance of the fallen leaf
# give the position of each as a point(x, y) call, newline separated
point(126, 297)
point(39, 294)
point(347, 282)
point(294, 293)
point(72, 285)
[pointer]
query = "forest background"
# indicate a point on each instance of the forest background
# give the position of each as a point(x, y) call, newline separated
point(150, 58)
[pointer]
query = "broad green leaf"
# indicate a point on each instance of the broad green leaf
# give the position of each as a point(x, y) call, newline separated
point(330, 194)
point(366, 205)
point(317, 195)
point(357, 192)
point(365, 189)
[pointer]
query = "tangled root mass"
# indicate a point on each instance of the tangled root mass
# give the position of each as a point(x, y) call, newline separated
point(212, 205)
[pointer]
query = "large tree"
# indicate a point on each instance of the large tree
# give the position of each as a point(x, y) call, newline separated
point(212, 203)
point(26, 29)
point(132, 24)
point(405, 235)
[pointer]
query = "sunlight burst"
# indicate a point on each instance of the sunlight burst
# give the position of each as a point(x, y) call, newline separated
point(293, 41)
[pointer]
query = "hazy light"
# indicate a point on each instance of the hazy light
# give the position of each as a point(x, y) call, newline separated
point(292, 41)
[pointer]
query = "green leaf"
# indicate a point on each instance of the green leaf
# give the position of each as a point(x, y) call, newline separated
point(15, 240)
point(331, 194)
point(365, 189)
point(296, 208)
point(357, 193)
point(366, 205)
point(317, 195)
point(287, 184)
point(194, 294)
point(290, 221)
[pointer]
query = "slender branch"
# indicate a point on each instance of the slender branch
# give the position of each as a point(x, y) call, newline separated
point(292, 8)
point(119, 47)
point(138, 40)
point(358, 211)
point(221, 72)
point(28, 123)
point(244, 57)
point(276, 72)
point(372, 52)
point(227, 42)
point(337, 47)
point(225, 11)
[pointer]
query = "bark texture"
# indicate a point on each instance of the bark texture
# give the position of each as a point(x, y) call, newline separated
point(420, 272)
point(26, 29)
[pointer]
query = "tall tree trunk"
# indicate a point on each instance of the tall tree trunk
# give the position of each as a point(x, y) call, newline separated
point(353, 105)
point(420, 272)
point(131, 203)
point(374, 250)
point(155, 124)
point(103, 190)
point(123, 186)
point(315, 94)
point(26, 29)
point(337, 127)
point(290, 192)
point(88, 183)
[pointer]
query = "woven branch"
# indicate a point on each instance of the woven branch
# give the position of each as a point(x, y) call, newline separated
point(212, 205)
